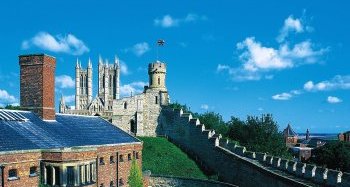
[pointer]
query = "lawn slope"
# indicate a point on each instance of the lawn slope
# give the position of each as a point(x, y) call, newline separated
point(164, 158)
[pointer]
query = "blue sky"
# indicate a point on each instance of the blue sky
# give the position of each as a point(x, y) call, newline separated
point(288, 58)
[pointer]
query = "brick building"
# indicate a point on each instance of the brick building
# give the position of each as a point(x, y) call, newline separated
point(38, 146)
point(344, 136)
point(290, 137)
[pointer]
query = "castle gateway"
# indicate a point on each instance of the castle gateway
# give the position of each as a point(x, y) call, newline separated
point(138, 114)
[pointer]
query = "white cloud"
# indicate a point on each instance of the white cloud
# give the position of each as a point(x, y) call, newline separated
point(124, 68)
point(204, 106)
point(6, 98)
point(168, 21)
point(290, 25)
point(134, 87)
point(282, 96)
point(69, 98)
point(69, 44)
point(336, 83)
point(139, 49)
point(260, 109)
point(257, 59)
point(64, 81)
point(333, 100)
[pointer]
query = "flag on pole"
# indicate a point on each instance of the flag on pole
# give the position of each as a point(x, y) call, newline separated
point(160, 42)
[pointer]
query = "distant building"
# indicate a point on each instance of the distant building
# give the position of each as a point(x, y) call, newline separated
point(290, 137)
point(138, 114)
point(307, 136)
point(39, 146)
point(344, 136)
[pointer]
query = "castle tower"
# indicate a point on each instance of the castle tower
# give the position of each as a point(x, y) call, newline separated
point(157, 73)
point(37, 84)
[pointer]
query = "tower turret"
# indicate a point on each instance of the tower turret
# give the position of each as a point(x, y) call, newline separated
point(62, 106)
point(106, 84)
point(77, 85)
point(89, 81)
point(117, 77)
point(157, 73)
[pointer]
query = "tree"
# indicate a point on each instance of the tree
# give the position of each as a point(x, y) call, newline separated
point(334, 155)
point(214, 121)
point(11, 107)
point(135, 177)
point(177, 105)
point(258, 134)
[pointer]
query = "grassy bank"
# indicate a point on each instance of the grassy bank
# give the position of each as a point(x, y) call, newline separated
point(164, 158)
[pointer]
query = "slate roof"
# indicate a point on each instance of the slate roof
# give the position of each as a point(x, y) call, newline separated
point(66, 131)
point(289, 131)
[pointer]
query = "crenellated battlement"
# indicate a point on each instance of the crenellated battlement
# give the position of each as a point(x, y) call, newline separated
point(229, 159)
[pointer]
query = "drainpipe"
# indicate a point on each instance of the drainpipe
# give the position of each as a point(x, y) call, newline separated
point(2, 176)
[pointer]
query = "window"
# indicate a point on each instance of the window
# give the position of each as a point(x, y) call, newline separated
point(111, 159)
point(111, 184)
point(121, 182)
point(158, 81)
point(33, 171)
point(156, 99)
point(137, 155)
point(102, 162)
point(121, 159)
point(125, 105)
point(70, 175)
point(129, 156)
point(13, 174)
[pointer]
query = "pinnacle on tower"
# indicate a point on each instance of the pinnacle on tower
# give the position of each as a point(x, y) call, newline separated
point(116, 61)
point(89, 63)
point(77, 66)
point(100, 61)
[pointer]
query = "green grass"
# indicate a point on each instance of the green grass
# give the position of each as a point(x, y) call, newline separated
point(164, 158)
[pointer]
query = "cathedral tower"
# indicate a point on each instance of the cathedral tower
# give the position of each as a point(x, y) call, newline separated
point(83, 86)
point(108, 81)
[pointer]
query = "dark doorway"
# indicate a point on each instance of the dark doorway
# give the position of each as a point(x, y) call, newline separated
point(57, 176)
point(133, 128)
point(48, 175)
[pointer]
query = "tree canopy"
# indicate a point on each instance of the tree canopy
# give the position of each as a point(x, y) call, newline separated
point(258, 134)
point(334, 155)
point(135, 177)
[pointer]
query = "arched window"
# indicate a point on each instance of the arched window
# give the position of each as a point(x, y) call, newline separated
point(103, 80)
point(110, 81)
point(125, 105)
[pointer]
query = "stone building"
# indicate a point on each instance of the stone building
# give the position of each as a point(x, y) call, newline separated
point(138, 114)
point(39, 146)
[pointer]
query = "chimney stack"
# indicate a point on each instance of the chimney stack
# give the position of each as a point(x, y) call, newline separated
point(38, 84)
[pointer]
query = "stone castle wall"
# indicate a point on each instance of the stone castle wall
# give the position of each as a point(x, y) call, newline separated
point(235, 165)
point(165, 181)
point(143, 110)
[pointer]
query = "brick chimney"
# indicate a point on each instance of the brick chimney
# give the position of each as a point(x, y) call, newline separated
point(38, 84)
